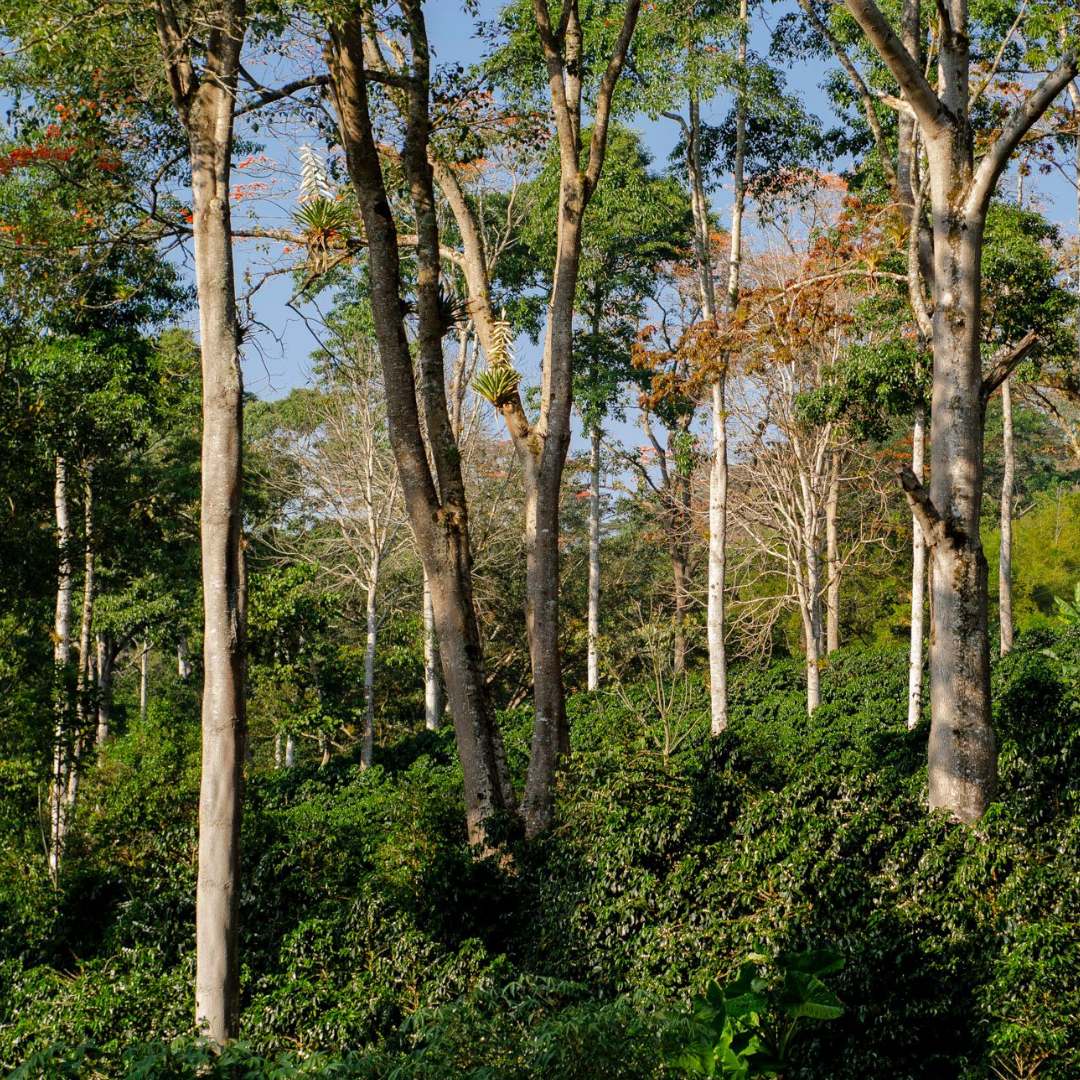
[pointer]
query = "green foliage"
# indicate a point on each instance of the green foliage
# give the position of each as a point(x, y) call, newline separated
point(745, 1027)
point(375, 945)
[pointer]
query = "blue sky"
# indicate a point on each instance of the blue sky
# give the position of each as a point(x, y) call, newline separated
point(277, 357)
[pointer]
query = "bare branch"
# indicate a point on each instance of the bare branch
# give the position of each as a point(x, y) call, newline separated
point(922, 509)
point(1005, 361)
point(928, 107)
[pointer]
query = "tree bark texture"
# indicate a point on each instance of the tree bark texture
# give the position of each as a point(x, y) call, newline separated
point(433, 699)
point(962, 754)
point(918, 579)
point(205, 101)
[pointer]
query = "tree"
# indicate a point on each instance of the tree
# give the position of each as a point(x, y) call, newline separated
point(332, 472)
point(962, 751)
point(434, 496)
point(203, 87)
point(636, 222)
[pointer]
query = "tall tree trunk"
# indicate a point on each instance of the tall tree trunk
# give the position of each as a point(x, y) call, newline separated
point(679, 531)
point(205, 102)
point(290, 750)
point(435, 504)
point(1005, 546)
point(962, 748)
point(832, 559)
point(718, 479)
point(62, 664)
point(594, 562)
point(144, 679)
point(84, 684)
point(812, 623)
point(541, 447)
point(367, 744)
point(962, 753)
point(433, 703)
point(918, 579)
point(808, 579)
point(106, 663)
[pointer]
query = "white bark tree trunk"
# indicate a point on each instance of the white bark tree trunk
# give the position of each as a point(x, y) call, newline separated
point(832, 560)
point(205, 100)
point(594, 562)
point(144, 679)
point(106, 660)
point(918, 579)
point(290, 751)
point(1005, 546)
point(62, 663)
point(811, 614)
point(718, 479)
point(367, 744)
point(433, 696)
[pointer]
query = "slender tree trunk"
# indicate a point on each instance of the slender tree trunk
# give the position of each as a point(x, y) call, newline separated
point(918, 579)
point(84, 683)
point(812, 624)
point(680, 526)
point(832, 560)
point(543, 480)
point(718, 479)
point(205, 101)
point(433, 702)
point(290, 750)
point(277, 750)
point(144, 679)
point(594, 561)
point(1005, 547)
point(106, 662)
point(436, 504)
point(62, 663)
point(367, 745)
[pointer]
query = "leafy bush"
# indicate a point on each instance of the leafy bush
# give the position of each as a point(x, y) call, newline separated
point(374, 945)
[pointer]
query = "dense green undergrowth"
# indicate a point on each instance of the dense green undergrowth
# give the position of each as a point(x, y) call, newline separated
point(374, 946)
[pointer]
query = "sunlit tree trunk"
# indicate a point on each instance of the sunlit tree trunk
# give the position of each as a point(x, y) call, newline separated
point(367, 744)
point(205, 102)
point(435, 503)
point(832, 560)
point(594, 562)
point(433, 700)
point(62, 663)
point(718, 480)
point(144, 679)
point(1005, 546)
point(962, 754)
point(918, 579)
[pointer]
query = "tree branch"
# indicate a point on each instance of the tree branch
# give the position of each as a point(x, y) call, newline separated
point(928, 107)
point(268, 96)
point(858, 84)
point(922, 509)
point(602, 111)
point(1005, 361)
point(1016, 127)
